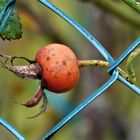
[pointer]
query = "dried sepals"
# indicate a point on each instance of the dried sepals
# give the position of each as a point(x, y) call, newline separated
point(31, 71)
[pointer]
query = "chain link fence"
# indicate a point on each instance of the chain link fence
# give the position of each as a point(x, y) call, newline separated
point(112, 70)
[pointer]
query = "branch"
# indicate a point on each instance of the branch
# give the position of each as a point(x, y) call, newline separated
point(118, 9)
point(101, 63)
point(130, 64)
point(133, 4)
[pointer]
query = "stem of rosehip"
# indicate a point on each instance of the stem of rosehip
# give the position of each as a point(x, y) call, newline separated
point(33, 71)
point(101, 63)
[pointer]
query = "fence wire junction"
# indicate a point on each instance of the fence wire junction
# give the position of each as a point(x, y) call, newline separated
point(112, 70)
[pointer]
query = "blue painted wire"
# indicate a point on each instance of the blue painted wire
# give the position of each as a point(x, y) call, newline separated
point(98, 46)
point(101, 49)
point(11, 129)
point(129, 85)
point(86, 102)
point(3, 11)
point(3, 24)
point(4, 15)
point(78, 27)
point(119, 60)
point(6, 12)
point(124, 55)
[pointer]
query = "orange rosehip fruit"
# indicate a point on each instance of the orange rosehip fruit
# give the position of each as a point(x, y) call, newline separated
point(60, 70)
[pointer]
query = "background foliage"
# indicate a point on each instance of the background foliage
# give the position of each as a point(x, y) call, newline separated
point(12, 29)
point(113, 116)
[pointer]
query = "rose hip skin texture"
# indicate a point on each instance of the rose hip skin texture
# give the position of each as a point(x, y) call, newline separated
point(60, 71)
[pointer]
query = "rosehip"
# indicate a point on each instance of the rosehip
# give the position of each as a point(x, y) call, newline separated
point(59, 65)
point(55, 65)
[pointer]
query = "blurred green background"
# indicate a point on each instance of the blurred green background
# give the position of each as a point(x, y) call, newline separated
point(113, 116)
